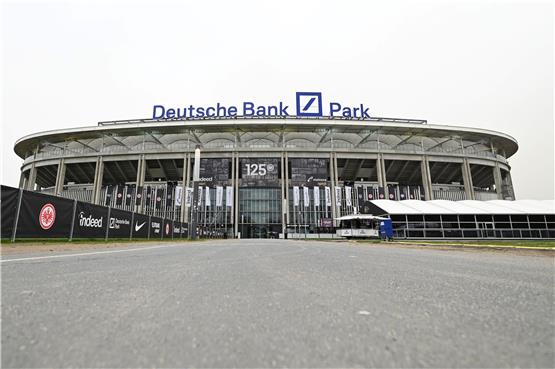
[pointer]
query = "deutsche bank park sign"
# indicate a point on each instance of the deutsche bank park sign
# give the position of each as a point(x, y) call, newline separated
point(307, 104)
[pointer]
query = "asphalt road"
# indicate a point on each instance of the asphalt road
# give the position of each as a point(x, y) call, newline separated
point(257, 303)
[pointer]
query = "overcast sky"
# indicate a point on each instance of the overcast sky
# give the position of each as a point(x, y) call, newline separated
point(466, 63)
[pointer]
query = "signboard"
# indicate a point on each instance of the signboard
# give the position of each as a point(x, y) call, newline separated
point(214, 171)
point(156, 225)
point(168, 229)
point(44, 216)
point(119, 223)
point(309, 171)
point(9, 207)
point(90, 221)
point(260, 172)
point(140, 226)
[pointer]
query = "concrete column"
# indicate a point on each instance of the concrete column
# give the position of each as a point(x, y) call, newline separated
point(22, 179)
point(426, 178)
point(60, 177)
point(382, 178)
point(140, 181)
point(333, 183)
point(498, 181)
point(30, 185)
point(98, 177)
point(467, 179)
point(509, 181)
point(236, 195)
point(286, 185)
point(283, 189)
point(186, 174)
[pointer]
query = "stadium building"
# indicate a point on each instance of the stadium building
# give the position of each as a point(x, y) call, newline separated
point(267, 176)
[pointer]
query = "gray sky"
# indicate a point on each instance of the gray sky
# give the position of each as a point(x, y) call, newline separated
point(466, 63)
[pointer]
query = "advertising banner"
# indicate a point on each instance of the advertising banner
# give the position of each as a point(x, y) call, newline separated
point(139, 197)
point(348, 196)
point(8, 203)
point(219, 195)
point(177, 229)
point(229, 196)
point(260, 172)
point(214, 171)
point(119, 223)
point(44, 216)
point(156, 225)
point(90, 221)
point(337, 196)
point(140, 226)
point(188, 196)
point(317, 196)
point(295, 195)
point(309, 171)
point(119, 195)
point(328, 195)
point(168, 228)
point(207, 197)
point(184, 230)
point(178, 195)
point(306, 197)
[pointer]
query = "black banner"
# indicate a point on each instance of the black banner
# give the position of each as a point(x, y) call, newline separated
point(260, 172)
point(140, 226)
point(168, 228)
point(90, 221)
point(370, 193)
point(309, 171)
point(177, 229)
point(391, 192)
point(158, 198)
point(119, 224)
point(108, 197)
point(156, 225)
point(214, 171)
point(139, 197)
point(9, 197)
point(129, 195)
point(119, 195)
point(44, 216)
point(381, 193)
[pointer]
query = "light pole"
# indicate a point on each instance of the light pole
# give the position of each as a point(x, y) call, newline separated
point(194, 205)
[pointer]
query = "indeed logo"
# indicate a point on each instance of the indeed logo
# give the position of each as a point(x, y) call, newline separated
point(89, 221)
point(308, 104)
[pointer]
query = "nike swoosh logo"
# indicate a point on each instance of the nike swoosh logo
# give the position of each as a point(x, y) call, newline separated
point(138, 227)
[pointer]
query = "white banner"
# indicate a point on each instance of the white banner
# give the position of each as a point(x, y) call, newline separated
point(306, 198)
point(207, 198)
point(229, 196)
point(200, 194)
point(219, 195)
point(327, 195)
point(188, 196)
point(337, 196)
point(348, 194)
point(178, 195)
point(295, 195)
point(317, 196)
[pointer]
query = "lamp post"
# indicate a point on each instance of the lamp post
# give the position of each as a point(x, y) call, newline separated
point(194, 205)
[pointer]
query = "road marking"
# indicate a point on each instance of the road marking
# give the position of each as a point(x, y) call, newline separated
point(83, 254)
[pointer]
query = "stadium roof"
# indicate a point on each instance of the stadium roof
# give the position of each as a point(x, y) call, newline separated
point(134, 132)
point(466, 207)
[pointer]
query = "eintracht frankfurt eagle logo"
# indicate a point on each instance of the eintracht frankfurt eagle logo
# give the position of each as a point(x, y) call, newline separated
point(47, 216)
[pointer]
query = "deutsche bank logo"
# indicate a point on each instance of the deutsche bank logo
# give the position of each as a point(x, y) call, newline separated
point(309, 104)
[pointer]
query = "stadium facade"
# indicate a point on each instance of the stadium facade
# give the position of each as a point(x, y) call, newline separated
point(263, 176)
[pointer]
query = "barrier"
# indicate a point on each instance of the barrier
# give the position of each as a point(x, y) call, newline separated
point(8, 201)
point(37, 215)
